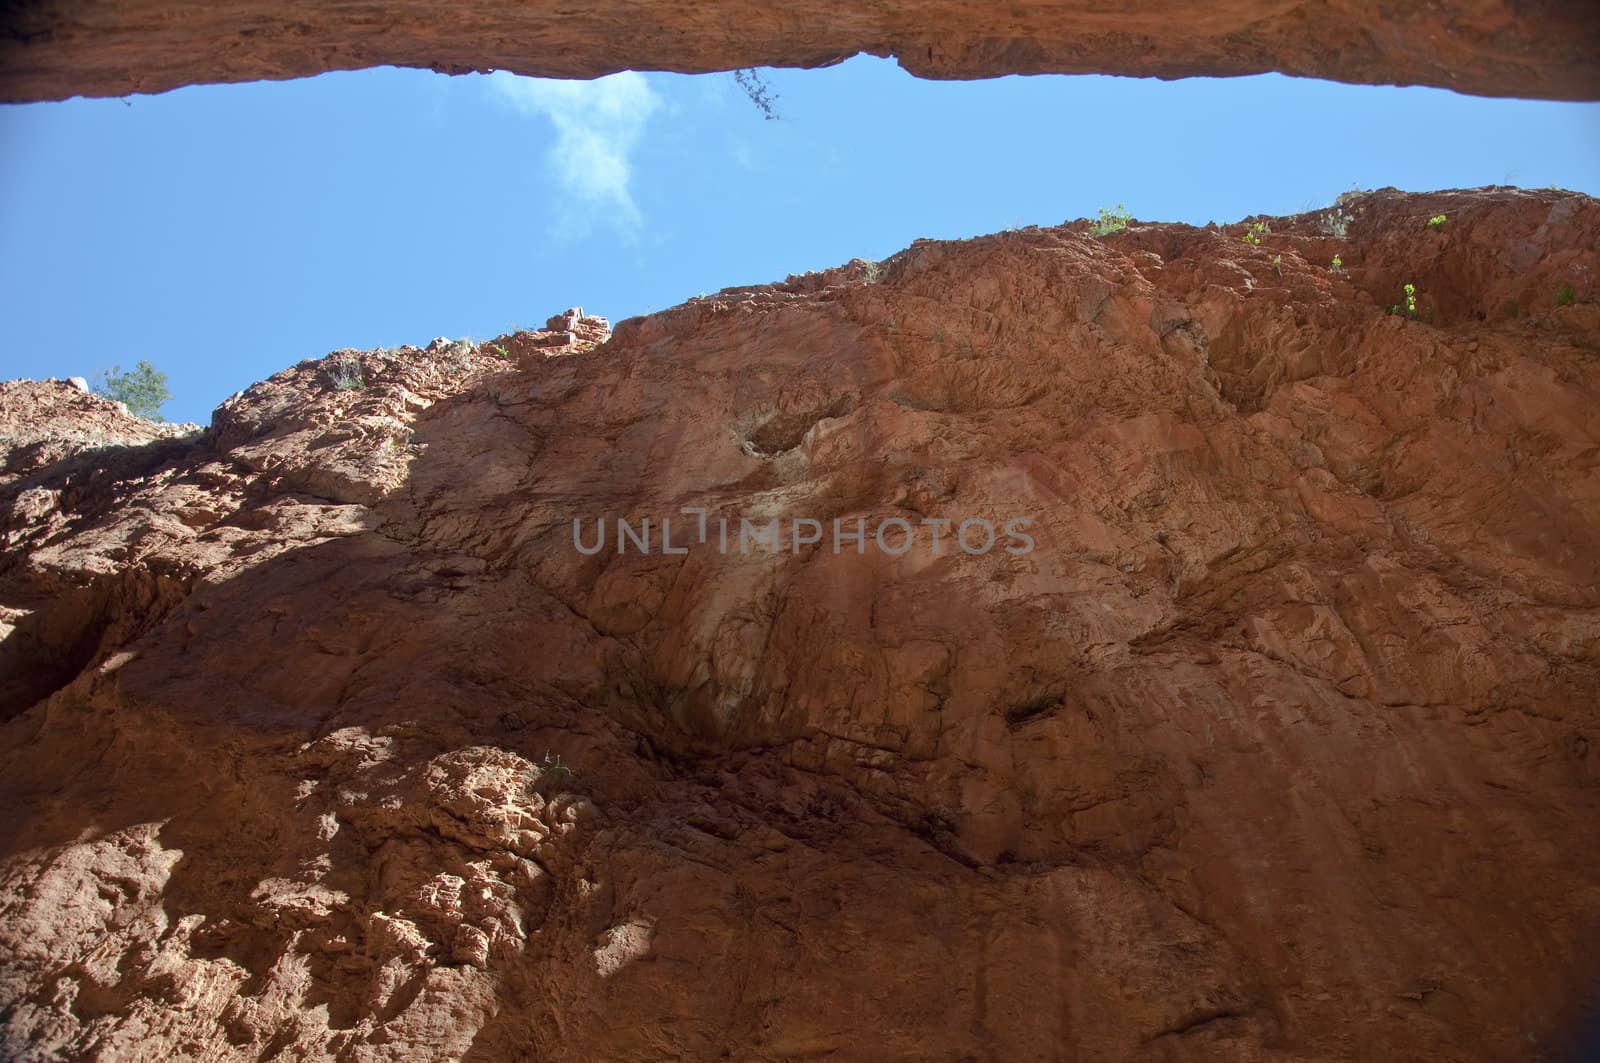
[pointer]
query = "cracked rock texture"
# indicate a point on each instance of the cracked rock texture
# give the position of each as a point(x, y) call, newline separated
point(323, 741)
point(52, 49)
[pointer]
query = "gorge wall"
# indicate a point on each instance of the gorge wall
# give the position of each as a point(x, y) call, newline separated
point(1281, 744)
point(52, 49)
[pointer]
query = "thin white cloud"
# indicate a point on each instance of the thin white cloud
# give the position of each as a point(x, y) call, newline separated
point(598, 124)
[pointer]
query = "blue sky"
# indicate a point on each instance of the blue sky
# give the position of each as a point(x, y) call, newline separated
point(225, 232)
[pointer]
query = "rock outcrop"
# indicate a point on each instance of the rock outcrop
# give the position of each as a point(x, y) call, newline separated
point(1279, 744)
point(57, 48)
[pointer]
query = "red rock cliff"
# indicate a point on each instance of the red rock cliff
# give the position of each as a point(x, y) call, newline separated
point(56, 48)
point(1279, 745)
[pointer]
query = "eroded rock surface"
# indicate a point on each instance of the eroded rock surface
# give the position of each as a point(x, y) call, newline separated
point(58, 48)
point(1280, 744)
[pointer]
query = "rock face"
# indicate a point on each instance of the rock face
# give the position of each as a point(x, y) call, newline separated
point(58, 48)
point(1280, 744)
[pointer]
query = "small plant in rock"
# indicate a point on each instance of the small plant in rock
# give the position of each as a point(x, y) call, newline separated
point(141, 389)
point(1436, 222)
point(1566, 294)
point(1337, 265)
point(1254, 234)
point(1277, 264)
point(501, 351)
point(1408, 305)
point(1108, 221)
point(344, 374)
point(760, 92)
point(873, 270)
point(1335, 223)
point(556, 771)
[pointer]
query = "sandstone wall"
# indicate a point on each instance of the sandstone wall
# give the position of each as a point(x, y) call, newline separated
point(1281, 744)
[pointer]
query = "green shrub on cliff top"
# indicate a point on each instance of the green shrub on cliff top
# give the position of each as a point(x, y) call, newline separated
point(1108, 221)
point(141, 389)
